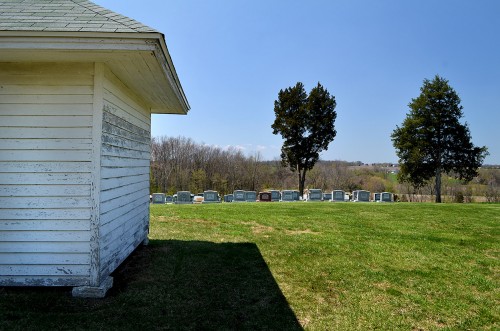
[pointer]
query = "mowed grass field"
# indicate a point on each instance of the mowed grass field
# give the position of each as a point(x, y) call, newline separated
point(292, 266)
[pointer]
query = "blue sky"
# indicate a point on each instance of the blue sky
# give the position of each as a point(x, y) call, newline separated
point(233, 57)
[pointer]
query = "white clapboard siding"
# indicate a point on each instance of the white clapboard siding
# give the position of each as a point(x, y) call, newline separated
point(45, 133)
point(45, 214)
point(112, 140)
point(19, 109)
point(45, 155)
point(44, 190)
point(47, 144)
point(44, 225)
point(125, 106)
point(44, 258)
point(115, 214)
point(122, 233)
point(124, 199)
point(34, 236)
point(44, 202)
point(130, 215)
point(114, 161)
point(60, 78)
point(123, 242)
point(118, 192)
point(109, 172)
point(45, 247)
point(46, 119)
point(46, 280)
point(45, 167)
point(46, 89)
point(37, 99)
point(114, 182)
point(125, 153)
point(35, 121)
point(42, 269)
point(59, 178)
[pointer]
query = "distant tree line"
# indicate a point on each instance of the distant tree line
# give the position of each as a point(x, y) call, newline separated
point(179, 163)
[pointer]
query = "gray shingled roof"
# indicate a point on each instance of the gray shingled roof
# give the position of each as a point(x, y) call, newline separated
point(64, 16)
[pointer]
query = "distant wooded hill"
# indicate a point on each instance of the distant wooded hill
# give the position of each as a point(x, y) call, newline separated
point(179, 163)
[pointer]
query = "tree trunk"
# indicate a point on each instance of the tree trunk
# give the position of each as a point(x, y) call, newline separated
point(302, 180)
point(301, 187)
point(438, 185)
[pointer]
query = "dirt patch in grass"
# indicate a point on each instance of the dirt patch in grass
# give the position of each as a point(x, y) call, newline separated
point(165, 219)
point(182, 220)
point(297, 232)
point(258, 229)
point(383, 285)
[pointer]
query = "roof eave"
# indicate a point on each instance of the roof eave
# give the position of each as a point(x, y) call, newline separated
point(109, 48)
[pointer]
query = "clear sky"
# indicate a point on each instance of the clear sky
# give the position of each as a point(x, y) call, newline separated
point(233, 57)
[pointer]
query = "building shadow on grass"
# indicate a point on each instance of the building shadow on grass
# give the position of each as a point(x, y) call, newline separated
point(168, 285)
point(204, 286)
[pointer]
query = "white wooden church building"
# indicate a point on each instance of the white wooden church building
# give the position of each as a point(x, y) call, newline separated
point(78, 84)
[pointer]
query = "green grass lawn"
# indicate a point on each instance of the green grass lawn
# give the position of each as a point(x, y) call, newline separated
point(288, 266)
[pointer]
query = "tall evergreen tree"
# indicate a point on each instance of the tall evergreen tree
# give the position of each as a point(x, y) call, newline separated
point(432, 141)
point(307, 125)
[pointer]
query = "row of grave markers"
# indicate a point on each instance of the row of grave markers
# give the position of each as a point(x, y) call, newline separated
point(186, 197)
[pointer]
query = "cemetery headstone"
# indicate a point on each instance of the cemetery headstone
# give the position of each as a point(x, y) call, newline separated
point(265, 197)
point(361, 196)
point(239, 196)
point(275, 195)
point(211, 197)
point(287, 195)
point(376, 197)
point(228, 198)
point(250, 196)
point(387, 197)
point(183, 197)
point(338, 195)
point(159, 198)
point(314, 195)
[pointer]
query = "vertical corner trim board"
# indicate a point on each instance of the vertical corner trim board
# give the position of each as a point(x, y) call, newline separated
point(97, 106)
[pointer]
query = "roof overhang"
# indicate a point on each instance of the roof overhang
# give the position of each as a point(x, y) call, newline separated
point(140, 60)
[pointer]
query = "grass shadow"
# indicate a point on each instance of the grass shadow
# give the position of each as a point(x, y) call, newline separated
point(168, 285)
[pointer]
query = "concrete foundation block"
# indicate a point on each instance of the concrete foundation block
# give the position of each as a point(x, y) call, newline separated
point(93, 291)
